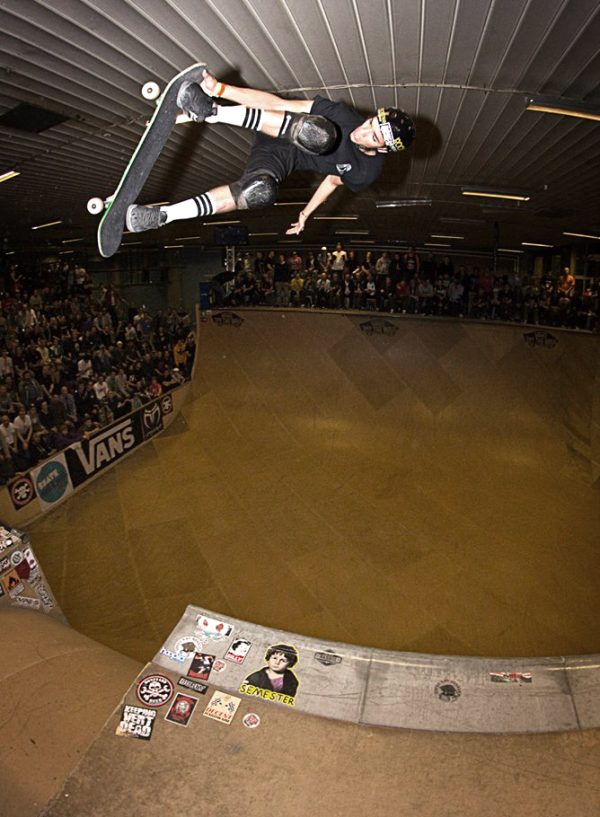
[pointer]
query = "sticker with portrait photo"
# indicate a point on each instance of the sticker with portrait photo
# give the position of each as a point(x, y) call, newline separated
point(238, 650)
point(275, 681)
point(181, 709)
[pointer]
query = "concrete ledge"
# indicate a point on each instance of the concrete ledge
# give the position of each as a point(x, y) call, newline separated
point(379, 688)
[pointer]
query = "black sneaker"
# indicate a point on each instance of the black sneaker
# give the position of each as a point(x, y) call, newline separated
point(139, 218)
point(194, 102)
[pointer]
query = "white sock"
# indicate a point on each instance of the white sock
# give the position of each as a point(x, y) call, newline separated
point(237, 115)
point(202, 205)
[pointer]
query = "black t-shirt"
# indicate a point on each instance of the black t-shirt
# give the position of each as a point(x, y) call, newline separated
point(355, 168)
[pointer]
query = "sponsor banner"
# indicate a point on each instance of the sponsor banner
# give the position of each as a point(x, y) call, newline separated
point(151, 419)
point(166, 404)
point(89, 457)
point(21, 491)
point(52, 481)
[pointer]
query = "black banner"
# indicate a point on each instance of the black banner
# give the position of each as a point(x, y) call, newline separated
point(89, 457)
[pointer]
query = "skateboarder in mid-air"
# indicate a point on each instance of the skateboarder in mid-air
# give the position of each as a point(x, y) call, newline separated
point(299, 134)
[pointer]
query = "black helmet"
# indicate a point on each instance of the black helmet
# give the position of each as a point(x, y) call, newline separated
point(397, 129)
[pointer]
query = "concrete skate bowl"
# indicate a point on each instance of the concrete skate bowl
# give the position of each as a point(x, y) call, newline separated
point(413, 485)
point(407, 485)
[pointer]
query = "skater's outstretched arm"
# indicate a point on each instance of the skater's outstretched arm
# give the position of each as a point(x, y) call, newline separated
point(321, 194)
point(252, 98)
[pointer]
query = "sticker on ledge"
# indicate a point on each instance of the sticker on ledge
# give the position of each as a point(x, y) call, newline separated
point(195, 686)
point(238, 650)
point(251, 720)
point(173, 656)
point(212, 628)
point(201, 666)
point(181, 709)
point(155, 690)
point(327, 658)
point(219, 665)
point(275, 681)
point(222, 707)
point(136, 722)
point(188, 644)
point(447, 690)
point(12, 583)
point(511, 677)
point(25, 601)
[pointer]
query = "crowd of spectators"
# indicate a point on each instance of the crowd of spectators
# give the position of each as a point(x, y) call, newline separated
point(407, 283)
point(73, 358)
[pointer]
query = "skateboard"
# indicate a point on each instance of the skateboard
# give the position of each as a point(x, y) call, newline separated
point(154, 138)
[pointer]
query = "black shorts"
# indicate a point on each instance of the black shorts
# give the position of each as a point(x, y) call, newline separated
point(273, 156)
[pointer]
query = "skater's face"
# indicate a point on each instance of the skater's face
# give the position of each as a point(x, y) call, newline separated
point(368, 135)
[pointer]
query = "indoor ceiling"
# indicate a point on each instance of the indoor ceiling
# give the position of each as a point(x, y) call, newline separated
point(462, 68)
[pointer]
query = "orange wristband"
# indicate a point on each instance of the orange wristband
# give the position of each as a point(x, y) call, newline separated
point(221, 89)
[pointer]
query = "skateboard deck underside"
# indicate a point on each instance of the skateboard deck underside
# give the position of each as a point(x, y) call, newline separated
point(154, 138)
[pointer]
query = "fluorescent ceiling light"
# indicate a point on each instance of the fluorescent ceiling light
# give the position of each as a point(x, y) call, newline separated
point(173, 246)
point(352, 232)
point(433, 244)
point(130, 243)
point(457, 237)
point(157, 203)
point(563, 107)
point(188, 237)
point(336, 218)
point(10, 174)
point(66, 252)
point(451, 220)
point(212, 223)
point(71, 240)
point(48, 224)
point(583, 235)
point(505, 249)
point(535, 244)
point(495, 193)
point(290, 203)
point(422, 202)
point(11, 252)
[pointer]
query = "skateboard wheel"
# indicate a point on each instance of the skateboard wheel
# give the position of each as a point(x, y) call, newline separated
point(150, 90)
point(95, 205)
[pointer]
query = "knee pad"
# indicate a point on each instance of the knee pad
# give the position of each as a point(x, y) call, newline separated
point(254, 190)
point(309, 132)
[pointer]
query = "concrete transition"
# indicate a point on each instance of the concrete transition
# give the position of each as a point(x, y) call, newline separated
point(340, 462)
